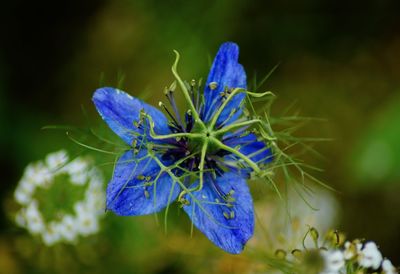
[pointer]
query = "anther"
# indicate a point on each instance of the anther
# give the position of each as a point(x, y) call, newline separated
point(229, 215)
point(148, 178)
point(226, 215)
point(172, 87)
point(142, 114)
point(150, 146)
point(213, 85)
point(184, 202)
point(280, 254)
point(140, 177)
point(296, 253)
point(166, 91)
point(146, 194)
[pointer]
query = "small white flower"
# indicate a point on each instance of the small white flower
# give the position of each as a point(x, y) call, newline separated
point(39, 174)
point(20, 218)
point(334, 261)
point(370, 256)
point(67, 228)
point(56, 160)
point(43, 175)
point(79, 178)
point(77, 166)
point(23, 193)
point(26, 185)
point(34, 218)
point(388, 268)
point(95, 201)
point(351, 250)
point(51, 234)
point(87, 223)
point(22, 196)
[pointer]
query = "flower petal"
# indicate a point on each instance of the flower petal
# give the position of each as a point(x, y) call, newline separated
point(120, 110)
point(127, 193)
point(229, 231)
point(227, 73)
point(258, 151)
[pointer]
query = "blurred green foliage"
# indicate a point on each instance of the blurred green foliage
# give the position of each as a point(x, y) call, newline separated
point(377, 158)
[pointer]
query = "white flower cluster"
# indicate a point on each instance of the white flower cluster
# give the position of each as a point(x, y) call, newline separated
point(365, 256)
point(67, 227)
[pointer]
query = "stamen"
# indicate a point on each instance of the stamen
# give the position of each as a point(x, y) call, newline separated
point(213, 85)
point(229, 215)
point(161, 104)
point(171, 99)
point(198, 97)
point(233, 112)
point(189, 121)
point(192, 85)
point(146, 194)
point(218, 190)
point(140, 177)
point(215, 101)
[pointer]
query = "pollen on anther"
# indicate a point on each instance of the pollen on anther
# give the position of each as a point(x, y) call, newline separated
point(213, 85)
point(226, 215)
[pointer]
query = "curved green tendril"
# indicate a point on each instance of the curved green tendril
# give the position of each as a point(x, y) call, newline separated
point(185, 91)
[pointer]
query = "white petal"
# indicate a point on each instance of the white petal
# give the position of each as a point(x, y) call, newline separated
point(388, 268)
point(56, 160)
point(370, 256)
point(334, 261)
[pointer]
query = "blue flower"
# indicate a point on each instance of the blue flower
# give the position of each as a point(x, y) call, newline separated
point(202, 160)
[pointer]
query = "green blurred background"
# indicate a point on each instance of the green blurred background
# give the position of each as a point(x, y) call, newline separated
point(339, 60)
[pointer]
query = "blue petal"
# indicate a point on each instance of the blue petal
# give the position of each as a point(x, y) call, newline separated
point(126, 193)
point(258, 151)
point(226, 72)
point(120, 110)
point(230, 234)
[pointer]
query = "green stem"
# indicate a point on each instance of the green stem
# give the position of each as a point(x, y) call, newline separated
point(221, 145)
point(222, 107)
point(201, 165)
point(185, 91)
point(176, 135)
point(201, 171)
point(236, 125)
point(167, 136)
